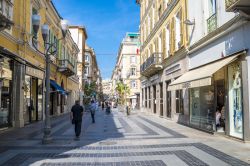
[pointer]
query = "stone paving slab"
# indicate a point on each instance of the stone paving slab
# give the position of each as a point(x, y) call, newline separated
point(120, 140)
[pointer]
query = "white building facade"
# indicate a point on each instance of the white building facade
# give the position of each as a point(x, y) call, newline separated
point(218, 64)
point(127, 68)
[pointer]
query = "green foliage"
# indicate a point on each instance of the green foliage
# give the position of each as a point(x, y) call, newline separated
point(89, 90)
point(123, 90)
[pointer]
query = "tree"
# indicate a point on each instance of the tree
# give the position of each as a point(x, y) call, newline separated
point(90, 91)
point(123, 90)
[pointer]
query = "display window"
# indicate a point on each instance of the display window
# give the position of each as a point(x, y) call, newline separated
point(235, 100)
point(5, 90)
point(202, 108)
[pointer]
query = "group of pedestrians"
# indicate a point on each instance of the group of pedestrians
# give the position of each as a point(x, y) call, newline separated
point(77, 114)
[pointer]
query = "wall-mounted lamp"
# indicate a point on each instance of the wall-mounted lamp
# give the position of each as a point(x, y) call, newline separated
point(188, 22)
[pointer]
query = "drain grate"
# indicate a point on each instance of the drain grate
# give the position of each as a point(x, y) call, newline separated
point(108, 143)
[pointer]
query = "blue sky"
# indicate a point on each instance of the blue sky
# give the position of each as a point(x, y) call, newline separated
point(107, 22)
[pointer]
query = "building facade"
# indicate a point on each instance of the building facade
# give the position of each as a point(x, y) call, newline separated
point(127, 69)
point(218, 55)
point(79, 35)
point(200, 69)
point(163, 57)
point(92, 72)
point(22, 67)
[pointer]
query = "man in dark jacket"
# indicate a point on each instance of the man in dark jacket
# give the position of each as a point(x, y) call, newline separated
point(76, 117)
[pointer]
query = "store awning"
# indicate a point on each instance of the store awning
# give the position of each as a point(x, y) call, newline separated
point(201, 76)
point(57, 87)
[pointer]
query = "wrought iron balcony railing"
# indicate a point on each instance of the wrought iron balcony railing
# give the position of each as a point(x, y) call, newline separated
point(212, 23)
point(66, 67)
point(152, 63)
point(233, 5)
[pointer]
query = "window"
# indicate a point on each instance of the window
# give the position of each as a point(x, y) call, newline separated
point(87, 58)
point(133, 71)
point(132, 59)
point(34, 11)
point(212, 7)
point(86, 70)
point(133, 84)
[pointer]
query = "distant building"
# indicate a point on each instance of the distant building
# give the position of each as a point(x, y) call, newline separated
point(127, 68)
point(107, 88)
point(92, 73)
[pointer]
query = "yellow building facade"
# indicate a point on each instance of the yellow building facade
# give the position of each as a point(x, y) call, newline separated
point(23, 93)
point(164, 41)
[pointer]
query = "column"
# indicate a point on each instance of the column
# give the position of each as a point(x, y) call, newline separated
point(173, 104)
point(18, 95)
point(246, 113)
point(164, 99)
point(148, 101)
point(158, 99)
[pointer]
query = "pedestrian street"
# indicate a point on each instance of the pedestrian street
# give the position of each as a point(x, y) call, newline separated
point(116, 139)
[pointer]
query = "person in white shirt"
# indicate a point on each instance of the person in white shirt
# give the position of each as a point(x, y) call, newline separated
point(218, 118)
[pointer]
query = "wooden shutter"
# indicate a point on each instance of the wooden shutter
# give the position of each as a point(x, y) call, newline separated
point(164, 42)
point(173, 35)
point(182, 28)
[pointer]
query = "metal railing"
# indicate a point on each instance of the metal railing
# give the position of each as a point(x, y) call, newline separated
point(154, 59)
point(65, 63)
point(212, 23)
point(229, 3)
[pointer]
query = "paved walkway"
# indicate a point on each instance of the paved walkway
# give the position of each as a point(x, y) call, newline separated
point(118, 140)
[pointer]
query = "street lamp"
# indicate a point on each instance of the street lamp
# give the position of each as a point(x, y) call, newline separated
point(36, 19)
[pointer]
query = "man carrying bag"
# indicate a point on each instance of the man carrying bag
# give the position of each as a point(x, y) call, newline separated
point(76, 118)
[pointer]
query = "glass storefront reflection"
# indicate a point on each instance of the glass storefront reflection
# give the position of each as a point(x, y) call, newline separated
point(202, 108)
point(5, 90)
point(33, 99)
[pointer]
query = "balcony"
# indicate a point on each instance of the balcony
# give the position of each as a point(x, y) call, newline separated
point(212, 23)
point(235, 5)
point(152, 65)
point(66, 67)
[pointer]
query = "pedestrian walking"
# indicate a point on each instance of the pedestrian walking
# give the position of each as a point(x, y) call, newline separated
point(92, 110)
point(76, 118)
point(103, 105)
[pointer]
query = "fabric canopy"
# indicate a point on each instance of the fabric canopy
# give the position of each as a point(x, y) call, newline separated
point(201, 76)
point(57, 87)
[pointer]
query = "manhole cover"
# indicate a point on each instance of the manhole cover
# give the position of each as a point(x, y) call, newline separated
point(108, 143)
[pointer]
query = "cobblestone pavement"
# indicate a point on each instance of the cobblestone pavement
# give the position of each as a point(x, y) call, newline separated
point(120, 140)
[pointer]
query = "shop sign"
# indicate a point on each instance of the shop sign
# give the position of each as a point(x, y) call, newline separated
point(34, 72)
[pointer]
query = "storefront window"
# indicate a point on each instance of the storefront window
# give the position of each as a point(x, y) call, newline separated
point(202, 108)
point(33, 99)
point(235, 100)
point(27, 97)
point(5, 91)
point(40, 99)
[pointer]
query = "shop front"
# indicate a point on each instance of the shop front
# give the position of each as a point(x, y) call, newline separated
point(58, 98)
point(33, 95)
point(215, 96)
point(6, 77)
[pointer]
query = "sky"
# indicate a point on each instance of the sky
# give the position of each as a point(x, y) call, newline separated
point(106, 21)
